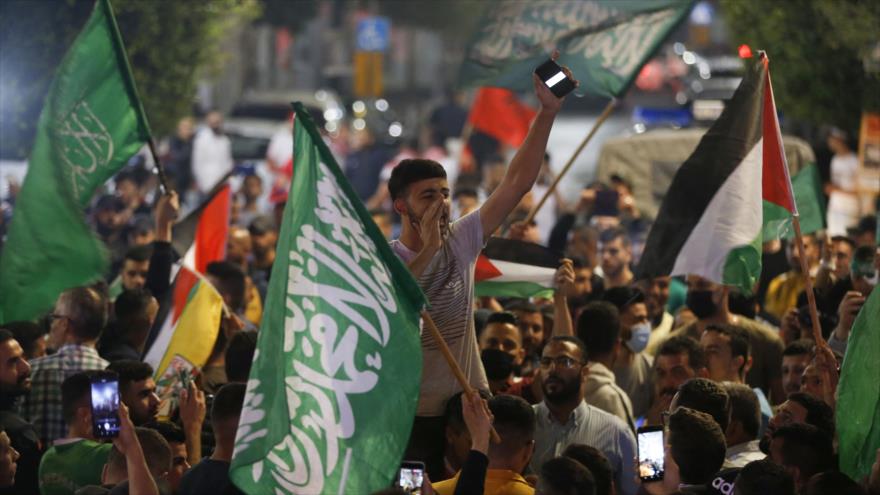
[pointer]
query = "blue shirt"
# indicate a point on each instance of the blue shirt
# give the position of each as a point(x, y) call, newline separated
point(591, 426)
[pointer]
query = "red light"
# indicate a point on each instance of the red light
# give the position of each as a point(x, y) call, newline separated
point(745, 51)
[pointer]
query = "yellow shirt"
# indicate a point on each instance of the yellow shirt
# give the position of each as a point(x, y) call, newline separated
point(498, 482)
point(782, 293)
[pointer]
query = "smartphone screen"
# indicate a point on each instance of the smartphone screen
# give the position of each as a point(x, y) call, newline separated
point(105, 406)
point(411, 477)
point(651, 453)
point(551, 73)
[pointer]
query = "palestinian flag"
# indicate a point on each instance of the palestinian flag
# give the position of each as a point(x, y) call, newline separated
point(510, 268)
point(711, 220)
point(191, 315)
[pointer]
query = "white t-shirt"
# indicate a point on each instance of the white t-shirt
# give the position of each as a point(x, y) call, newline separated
point(448, 284)
point(211, 159)
point(843, 208)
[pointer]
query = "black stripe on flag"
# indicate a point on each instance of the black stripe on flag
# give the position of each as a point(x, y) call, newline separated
point(720, 151)
point(522, 252)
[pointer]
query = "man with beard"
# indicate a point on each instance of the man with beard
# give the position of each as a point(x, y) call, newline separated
point(502, 353)
point(442, 256)
point(530, 321)
point(616, 251)
point(564, 418)
point(800, 408)
point(15, 381)
point(137, 390)
point(656, 296)
point(709, 303)
point(795, 359)
point(678, 360)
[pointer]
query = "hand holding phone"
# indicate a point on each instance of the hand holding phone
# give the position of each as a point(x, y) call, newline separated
point(554, 77)
point(105, 405)
point(651, 453)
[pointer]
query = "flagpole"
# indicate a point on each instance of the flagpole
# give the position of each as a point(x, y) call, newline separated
point(163, 179)
point(453, 364)
point(602, 118)
point(808, 284)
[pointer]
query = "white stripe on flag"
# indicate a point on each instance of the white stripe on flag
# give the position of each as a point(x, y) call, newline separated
point(518, 272)
point(732, 219)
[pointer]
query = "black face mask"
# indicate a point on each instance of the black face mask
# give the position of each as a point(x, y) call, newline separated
point(498, 364)
point(701, 303)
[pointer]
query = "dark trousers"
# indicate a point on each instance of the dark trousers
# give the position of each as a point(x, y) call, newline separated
point(426, 444)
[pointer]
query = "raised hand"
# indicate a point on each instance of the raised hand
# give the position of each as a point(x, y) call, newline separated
point(428, 226)
point(565, 278)
point(478, 420)
point(549, 101)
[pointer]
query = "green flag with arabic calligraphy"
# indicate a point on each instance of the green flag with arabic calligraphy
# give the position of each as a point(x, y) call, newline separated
point(335, 380)
point(92, 122)
point(605, 43)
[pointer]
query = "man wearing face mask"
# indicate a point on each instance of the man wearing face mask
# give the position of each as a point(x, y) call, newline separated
point(502, 353)
point(632, 367)
point(212, 153)
point(709, 303)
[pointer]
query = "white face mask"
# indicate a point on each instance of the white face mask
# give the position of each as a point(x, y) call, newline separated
point(638, 340)
point(873, 279)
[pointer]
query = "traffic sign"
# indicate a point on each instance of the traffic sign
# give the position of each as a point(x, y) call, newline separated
point(373, 34)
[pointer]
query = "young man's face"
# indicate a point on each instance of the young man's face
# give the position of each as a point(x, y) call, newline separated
point(615, 256)
point(504, 337)
point(719, 358)
point(670, 371)
point(531, 328)
point(420, 196)
point(792, 370)
point(142, 401)
point(657, 296)
point(134, 274)
point(8, 458)
point(15, 372)
point(179, 464)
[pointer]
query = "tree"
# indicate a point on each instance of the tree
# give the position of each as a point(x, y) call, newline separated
point(817, 50)
point(170, 44)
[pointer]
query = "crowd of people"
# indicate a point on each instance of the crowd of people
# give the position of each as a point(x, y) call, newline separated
point(745, 396)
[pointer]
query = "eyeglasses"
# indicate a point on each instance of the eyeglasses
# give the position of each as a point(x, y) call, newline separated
point(560, 362)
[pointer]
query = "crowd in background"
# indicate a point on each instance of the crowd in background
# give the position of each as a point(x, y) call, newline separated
point(746, 397)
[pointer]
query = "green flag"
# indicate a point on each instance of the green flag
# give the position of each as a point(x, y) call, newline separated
point(92, 122)
point(335, 380)
point(858, 393)
point(605, 43)
point(807, 188)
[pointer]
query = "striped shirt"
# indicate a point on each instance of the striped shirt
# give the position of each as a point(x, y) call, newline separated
point(448, 284)
point(42, 406)
point(591, 426)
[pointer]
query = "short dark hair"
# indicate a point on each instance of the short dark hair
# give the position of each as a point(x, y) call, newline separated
point(76, 390)
point(704, 395)
point(5, 335)
point(26, 333)
point(566, 476)
point(612, 235)
point(87, 310)
point(130, 371)
point(515, 423)
point(845, 239)
point(505, 317)
point(832, 482)
point(806, 447)
point(169, 431)
point(595, 461)
point(240, 355)
point(819, 414)
point(231, 282)
point(697, 445)
point(739, 340)
point(623, 297)
point(571, 339)
point(680, 344)
point(261, 225)
point(523, 305)
point(131, 306)
point(410, 171)
point(744, 407)
point(598, 326)
point(157, 453)
point(452, 415)
point(139, 253)
point(762, 477)
point(799, 347)
point(228, 402)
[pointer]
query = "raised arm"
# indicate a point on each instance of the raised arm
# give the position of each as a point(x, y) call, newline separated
point(526, 165)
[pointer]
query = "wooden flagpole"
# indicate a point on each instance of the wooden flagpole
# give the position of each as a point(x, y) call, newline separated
point(808, 283)
point(453, 364)
point(602, 118)
point(163, 179)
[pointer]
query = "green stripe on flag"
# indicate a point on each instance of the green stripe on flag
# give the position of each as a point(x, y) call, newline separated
point(511, 289)
point(858, 393)
point(807, 188)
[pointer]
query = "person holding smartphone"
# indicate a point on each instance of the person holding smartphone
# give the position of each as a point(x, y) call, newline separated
point(442, 255)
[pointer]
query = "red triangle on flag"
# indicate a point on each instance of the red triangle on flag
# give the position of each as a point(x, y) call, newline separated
point(485, 270)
